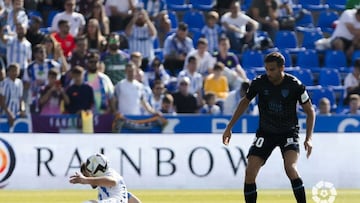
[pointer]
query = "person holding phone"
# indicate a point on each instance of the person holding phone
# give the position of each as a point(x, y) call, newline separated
point(35, 76)
point(52, 95)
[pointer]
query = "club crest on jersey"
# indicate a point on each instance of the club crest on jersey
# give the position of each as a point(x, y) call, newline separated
point(285, 92)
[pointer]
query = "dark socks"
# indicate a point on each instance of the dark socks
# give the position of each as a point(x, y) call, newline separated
point(250, 193)
point(299, 190)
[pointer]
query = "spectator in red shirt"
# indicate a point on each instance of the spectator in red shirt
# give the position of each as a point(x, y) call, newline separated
point(66, 40)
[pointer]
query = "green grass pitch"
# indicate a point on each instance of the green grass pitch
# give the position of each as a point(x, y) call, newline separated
point(167, 196)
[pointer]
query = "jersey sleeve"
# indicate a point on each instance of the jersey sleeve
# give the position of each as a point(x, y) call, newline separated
point(303, 95)
point(253, 89)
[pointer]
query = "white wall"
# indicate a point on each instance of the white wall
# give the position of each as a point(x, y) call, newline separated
point(45, 161)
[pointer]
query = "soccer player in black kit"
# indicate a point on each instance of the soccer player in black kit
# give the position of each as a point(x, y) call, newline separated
point(278, 94)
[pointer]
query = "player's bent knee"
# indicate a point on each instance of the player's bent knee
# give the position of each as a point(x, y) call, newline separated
point(291, 171)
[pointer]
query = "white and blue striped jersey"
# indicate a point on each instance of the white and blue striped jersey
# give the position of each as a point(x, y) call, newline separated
point(13, 92)
point(196, 80)
point(116, 194)
point(141, 41)
point(18, 52)
point(39, 72)
point(21, 17)
point(212, 36)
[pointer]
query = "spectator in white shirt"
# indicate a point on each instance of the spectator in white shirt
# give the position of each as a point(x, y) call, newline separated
point(239, 27)
point(16, 15)
point(129, 94)
point(346, 36)
point(75, 19)
point(205, 61)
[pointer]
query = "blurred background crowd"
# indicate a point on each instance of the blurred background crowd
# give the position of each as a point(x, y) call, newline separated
point(146, 57)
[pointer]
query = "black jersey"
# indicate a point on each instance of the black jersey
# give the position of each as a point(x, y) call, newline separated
point(277, 103)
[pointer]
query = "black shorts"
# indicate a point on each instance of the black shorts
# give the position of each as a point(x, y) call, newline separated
point(347, 43)
point(265, 143)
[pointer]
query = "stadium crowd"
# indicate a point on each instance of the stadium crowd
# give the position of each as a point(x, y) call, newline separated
point(137, 57)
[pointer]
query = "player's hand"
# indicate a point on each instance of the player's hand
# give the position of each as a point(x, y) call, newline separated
point(226, 136)
point(77, 178)
point(308, 147)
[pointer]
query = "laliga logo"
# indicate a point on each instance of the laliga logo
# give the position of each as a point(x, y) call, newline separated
point(7, 162)
point(324, 192)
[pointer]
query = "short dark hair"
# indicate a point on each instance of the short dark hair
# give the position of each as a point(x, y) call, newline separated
point(93, 55)
point(223, 38)
point(354, 97)
point(182, 26)
point(209, 96)
point(157, 82)
point(130, 65)
point(38, 48)
point(13, 65)
point(62, 22)
point(77, 70)
point(168, 98)
point(219, 66)
point(203, 41)
point(53, 72)
point(36, 19)
point(275, 57)
point(191, 58)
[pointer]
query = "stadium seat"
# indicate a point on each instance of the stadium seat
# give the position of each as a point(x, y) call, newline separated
point(305, 76)
point(45, 30)
point(194, 19)
point(291, 70)
point(356, 55)
point(310, 36)
point(250, 73)
point(251, 59)
point(195, 35)
point(245, 4)
point(51, 17)
point(306, 20)
point(313, 5)
point(326, 21)
point(173, 19)
point(308, 59)
point(338, 5)
point(177, 5)
point(32, 13)
point(318, 92)
point(329, 77)
point(203, 5)
point(335, 59)
point(158, 51)
point(287, 40)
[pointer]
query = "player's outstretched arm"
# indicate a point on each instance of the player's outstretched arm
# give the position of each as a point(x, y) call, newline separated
point(105, 181)
point(240, 109)
point(310, 122)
